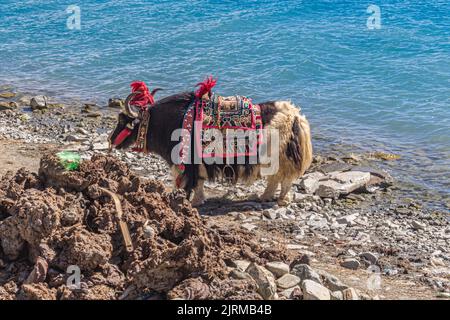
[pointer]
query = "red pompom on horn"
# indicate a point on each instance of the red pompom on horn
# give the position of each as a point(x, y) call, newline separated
point(205, 87)
point(144, 97)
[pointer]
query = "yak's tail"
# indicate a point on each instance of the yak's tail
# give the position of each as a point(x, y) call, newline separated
point(299, 147)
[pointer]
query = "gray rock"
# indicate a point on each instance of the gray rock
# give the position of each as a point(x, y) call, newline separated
point(305, 272)
point(332, 282)
point(372, 258)
point(314, 291)
point(352, 264)
point(341, 183)
point(264, 280)
point(279, 269)
point(288, 281)
point(240, 264)
point(310, 182)
point(38, 103)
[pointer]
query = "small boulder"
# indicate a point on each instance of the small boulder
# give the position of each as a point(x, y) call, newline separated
point(305, 272)
point(38, 103)
point(288, 281)
point(314, 291)
point(370, 257)
point(352, 264)
point(264, 280)
point(116, 103)
point(279, 269)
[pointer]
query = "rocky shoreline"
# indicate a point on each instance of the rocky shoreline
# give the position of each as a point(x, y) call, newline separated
point(348, 232)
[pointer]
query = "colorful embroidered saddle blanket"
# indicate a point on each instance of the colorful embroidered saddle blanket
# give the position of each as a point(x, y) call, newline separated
point(236, 120)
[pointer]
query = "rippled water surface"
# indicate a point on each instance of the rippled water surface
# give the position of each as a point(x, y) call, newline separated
point(385, 90)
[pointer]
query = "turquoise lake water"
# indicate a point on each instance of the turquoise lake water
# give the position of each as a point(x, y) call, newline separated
point(384, 89)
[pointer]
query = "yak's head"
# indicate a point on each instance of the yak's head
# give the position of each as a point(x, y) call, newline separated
point(125, 133)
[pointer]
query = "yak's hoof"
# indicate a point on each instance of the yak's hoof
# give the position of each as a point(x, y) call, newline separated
point(282, 202)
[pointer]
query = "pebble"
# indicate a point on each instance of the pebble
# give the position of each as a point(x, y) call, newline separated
point(295, 247)
point(417, 225)
point(270, 214)
point(352, 264)
point(98, 146)
point(248, 226)
point(350, 294)
point(149, 232)
point(287, 281)
point(279, 269)
point(314, 291)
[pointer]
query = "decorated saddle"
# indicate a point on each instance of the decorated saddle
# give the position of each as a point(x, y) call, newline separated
point(235, 120)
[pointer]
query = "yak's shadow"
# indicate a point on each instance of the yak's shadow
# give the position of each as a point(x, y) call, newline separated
point(215, 206)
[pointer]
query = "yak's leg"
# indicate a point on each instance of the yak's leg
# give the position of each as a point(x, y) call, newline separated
point(285, 188)
point(269, 193)
point(199, 193)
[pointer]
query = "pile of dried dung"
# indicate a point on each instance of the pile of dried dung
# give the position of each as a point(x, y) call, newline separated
point(57, 222)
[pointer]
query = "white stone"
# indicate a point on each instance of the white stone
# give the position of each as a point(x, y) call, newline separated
point(342, 183)
point(99, 146)
point(248, 226)
point(314, 291)
point(417, 225)
point(288, 281)
point(278, 268)
point(310, 181)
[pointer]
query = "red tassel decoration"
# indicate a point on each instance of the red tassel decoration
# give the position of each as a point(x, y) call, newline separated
point(205, 87)
point(144, 98)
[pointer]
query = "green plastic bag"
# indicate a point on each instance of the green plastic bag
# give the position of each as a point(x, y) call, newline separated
point(69, 160)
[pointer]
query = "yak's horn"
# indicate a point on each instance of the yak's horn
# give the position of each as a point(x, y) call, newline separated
point(129, 109)
point(154, 91)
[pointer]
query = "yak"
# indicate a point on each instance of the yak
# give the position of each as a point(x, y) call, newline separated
point(164, 116)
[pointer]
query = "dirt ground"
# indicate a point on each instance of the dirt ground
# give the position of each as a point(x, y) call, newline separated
point(15, 155)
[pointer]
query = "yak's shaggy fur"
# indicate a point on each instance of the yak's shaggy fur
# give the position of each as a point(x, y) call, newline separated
point(295, 148)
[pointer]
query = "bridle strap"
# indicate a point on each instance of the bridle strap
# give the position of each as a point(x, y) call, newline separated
point(141, 140)
point(122, 136)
